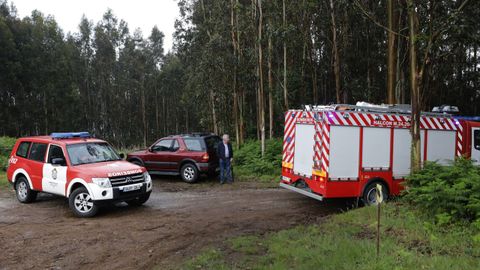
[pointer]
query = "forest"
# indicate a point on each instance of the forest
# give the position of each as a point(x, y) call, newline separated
point(235, 67)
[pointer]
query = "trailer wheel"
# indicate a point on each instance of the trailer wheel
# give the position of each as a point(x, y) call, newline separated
point(369, 196)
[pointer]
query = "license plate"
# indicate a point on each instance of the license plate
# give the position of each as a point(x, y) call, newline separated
point(131, 187)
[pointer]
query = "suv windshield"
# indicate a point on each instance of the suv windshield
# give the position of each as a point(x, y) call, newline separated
point(85, 153)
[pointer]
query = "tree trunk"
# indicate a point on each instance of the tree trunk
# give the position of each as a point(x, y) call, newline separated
point(214, 114)
point(285, 91)
point(234, 79)
point(391, 55)
point(416, 162)
point(336, 56)
point(261, 102)
point(157, 117)
point(144, 117)
point(270, 85)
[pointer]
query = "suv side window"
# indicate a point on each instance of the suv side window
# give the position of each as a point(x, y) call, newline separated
point(38, 151)
point(194, 144)
point(55, 151)
point(22, 149)
point(163, 146)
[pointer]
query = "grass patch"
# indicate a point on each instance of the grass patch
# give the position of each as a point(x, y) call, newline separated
point(347, 241)
point(209, 259)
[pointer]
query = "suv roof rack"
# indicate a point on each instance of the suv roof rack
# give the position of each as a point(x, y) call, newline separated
point(70, 135)
point(194, 134)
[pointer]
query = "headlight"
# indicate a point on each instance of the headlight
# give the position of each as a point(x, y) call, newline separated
point(147, 177)
point(102, 182)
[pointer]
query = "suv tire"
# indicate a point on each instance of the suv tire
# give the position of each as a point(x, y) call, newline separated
point(139, 200)
point(81, 203)
point(23, 191)
point(189, 173)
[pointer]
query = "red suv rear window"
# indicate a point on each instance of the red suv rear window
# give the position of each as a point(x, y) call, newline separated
point(22, 149)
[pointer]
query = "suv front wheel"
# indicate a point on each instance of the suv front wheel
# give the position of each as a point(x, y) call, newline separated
point(189, 173)
point(24, 193)
point(82, 204)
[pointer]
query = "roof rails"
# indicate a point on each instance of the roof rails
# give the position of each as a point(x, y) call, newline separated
point(70, 135)
point(374, 108)
point(193, 134)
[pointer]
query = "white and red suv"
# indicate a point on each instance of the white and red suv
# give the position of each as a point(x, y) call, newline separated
point(85, 170)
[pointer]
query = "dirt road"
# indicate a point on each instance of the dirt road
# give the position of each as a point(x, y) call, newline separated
point(178, 221)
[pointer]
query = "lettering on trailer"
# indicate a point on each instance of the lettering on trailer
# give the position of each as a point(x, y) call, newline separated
point(305, 120)
point(388, 123)
point(114, 174)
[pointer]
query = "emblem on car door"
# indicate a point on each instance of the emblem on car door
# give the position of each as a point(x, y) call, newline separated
point(54, 174)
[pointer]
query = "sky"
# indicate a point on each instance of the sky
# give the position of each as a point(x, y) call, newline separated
point(143, 14)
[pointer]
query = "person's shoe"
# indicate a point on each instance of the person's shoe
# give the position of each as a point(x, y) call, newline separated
point(221, 183)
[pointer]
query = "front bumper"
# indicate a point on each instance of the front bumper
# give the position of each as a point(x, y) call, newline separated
point(121, 196)
point(117, 193)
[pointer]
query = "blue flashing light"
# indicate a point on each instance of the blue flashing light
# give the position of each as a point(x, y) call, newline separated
point(69, 135)
point(468, 118)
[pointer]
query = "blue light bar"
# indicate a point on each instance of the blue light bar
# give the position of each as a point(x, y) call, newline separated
point(468, 118)
point(69, 135)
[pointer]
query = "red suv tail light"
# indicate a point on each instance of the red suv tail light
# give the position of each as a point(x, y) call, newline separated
point(205, 157)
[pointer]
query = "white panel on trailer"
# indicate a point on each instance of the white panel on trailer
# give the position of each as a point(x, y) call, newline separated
point(402, 143)
point(303, 155)
point(441, 146)
point(376, 148)
point(344, 151)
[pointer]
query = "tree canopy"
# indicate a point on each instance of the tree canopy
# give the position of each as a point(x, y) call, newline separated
point(233, 63)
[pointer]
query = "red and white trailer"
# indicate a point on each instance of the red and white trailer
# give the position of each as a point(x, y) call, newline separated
point(343, 151)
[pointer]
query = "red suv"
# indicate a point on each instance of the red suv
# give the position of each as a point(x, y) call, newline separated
point(187, 155)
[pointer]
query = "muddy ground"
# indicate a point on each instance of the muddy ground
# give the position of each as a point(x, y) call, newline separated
point(178, 221)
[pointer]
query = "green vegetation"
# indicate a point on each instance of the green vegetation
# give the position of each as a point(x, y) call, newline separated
point(6, 145)
point(347, 241)
point(451, 194)
point(249, 163)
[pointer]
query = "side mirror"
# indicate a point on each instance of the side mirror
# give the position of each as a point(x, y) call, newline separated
point(58, 161)
point(122, 155)
point(150, 149)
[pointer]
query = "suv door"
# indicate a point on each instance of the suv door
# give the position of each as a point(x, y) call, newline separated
point(175, 156)
point(55, 175)
point(159, 157)
point(36, 161)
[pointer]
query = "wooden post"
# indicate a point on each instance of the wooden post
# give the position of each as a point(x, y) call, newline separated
point(379, 195)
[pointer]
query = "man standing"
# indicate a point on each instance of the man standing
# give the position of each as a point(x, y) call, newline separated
point(225, 155)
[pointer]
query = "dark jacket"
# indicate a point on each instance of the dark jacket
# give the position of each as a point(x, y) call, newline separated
point(221, 150)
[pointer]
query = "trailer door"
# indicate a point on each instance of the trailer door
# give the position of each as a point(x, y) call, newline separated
point(476, 145)
point(303, 155)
